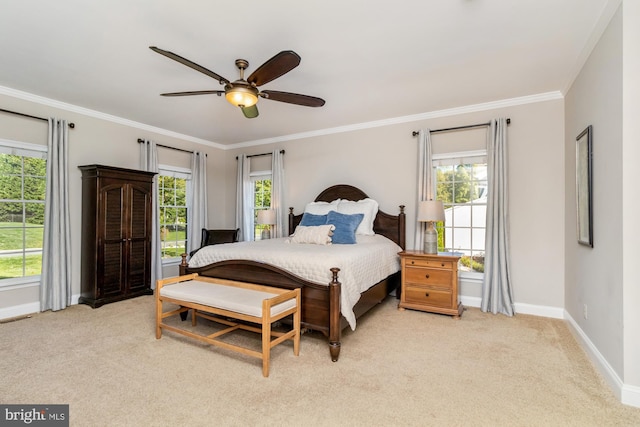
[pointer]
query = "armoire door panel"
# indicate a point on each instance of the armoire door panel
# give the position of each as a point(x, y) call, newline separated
point(113, 212)
point(140, 203)
point(138, 267)
point(111, 270)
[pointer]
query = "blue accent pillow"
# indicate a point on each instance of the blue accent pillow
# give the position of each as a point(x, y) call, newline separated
point(311, 220)
point(346, 225)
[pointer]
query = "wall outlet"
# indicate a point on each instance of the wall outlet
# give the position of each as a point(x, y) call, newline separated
point(584, 312)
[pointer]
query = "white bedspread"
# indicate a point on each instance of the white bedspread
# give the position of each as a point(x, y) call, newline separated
point(361, 265)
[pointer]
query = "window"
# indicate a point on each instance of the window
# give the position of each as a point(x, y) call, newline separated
point(461, 184)
point(261, 182)
point(22, 197)
point(172, 202)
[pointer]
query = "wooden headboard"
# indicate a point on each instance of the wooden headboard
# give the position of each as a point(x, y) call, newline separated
point(392, 227)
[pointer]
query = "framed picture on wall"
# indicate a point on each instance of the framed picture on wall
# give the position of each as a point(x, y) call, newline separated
point(584, 186)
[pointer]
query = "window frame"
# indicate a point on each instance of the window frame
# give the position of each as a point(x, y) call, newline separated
point(24, 149)
point(175, 172)
point(462, 157)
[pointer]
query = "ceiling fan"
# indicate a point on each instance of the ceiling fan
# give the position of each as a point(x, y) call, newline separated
point(244, 93)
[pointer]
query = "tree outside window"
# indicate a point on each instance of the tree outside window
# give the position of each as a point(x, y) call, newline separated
point(22, 194)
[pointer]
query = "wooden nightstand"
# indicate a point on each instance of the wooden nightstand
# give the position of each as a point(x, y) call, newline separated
point(430, 283)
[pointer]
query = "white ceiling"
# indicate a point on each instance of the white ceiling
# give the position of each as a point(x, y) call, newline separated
point(370, 61)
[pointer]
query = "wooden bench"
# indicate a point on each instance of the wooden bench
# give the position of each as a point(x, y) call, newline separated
point(223, 301)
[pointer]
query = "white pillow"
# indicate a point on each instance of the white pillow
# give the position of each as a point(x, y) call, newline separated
point(321, 208)
point(368, 207)
point(316, 234)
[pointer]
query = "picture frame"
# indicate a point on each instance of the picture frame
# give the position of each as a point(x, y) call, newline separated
point(584, 186)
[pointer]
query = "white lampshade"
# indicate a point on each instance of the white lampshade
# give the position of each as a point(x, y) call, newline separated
point(430, 210)
point(267, 216)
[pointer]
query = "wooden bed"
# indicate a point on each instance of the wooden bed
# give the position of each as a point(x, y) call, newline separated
point(320, 303)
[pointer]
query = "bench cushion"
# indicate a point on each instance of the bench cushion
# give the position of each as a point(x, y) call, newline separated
point(238, 300)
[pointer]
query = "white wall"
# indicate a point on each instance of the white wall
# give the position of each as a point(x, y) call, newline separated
point(606, 95)
point(382, 162)
point(631, 201)
point(594, 276)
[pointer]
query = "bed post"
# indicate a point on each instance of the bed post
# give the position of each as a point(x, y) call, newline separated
point(402, 228)
point(183, 265)
point(334, 316)
point(291, 227)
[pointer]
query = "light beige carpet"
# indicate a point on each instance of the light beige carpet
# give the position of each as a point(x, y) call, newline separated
point(404, 368)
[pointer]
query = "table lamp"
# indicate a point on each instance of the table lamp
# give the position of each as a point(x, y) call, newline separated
point(430, 211)
point(266, 217)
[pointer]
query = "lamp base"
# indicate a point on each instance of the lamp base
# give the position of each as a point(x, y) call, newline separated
point(430, 240)
point(266, 234)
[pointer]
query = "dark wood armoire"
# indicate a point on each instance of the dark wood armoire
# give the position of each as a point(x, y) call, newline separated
point(116, 234)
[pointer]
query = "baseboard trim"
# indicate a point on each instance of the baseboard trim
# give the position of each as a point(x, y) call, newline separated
point(19, 310)
point(27, 309)
point(535, 310)
point(627, 394)
point(630, 395)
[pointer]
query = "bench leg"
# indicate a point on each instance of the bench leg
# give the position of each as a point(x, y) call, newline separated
point(266, 347)
point(158, 316)
point(296, 326)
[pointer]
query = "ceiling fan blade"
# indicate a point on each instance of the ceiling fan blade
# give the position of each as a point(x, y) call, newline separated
point(195, 92)
point(250, 112)
point(190, 64)
point(275, 67)
point(293, 98)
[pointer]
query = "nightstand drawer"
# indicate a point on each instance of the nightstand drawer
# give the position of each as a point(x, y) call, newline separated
point(417, 262)
point(426, 276)
point(428, 296)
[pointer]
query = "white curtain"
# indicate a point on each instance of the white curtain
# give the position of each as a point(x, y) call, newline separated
point(277, 193)
point(497, 294)
point(149, 162)
point(425, 181)
point(197, 205)
point(244, 199)
point(55, 279)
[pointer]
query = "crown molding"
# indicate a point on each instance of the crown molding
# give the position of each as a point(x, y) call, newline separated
point(25, 96)
point(530, 99)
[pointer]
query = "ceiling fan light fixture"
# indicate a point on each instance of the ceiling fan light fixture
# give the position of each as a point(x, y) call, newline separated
point(241, 96)
point(244, 93)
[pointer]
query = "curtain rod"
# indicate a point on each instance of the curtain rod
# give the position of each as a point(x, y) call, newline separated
point(140, 141)
point(261, 154)
point(71, 125)
point(415, 133)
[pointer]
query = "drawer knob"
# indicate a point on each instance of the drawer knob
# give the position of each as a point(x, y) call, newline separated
point(426, 294)
point(426, 275)
point(442, 264)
